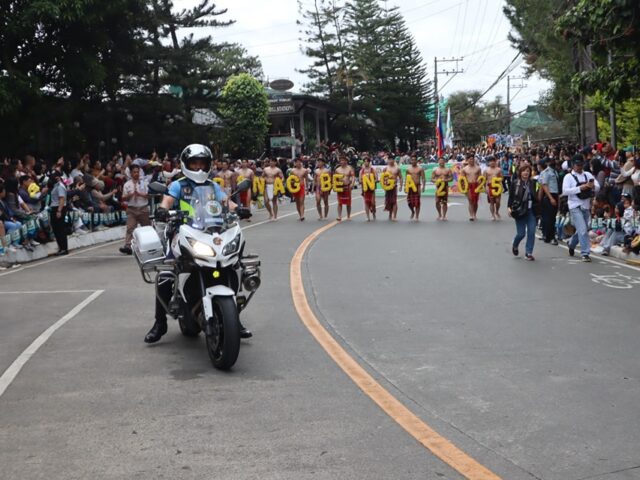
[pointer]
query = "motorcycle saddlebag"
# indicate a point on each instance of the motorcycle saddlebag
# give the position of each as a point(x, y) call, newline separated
point(147, 247)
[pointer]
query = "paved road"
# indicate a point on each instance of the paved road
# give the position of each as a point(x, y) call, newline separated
point(529, 368)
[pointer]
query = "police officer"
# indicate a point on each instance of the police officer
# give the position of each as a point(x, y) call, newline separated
point(195, 162)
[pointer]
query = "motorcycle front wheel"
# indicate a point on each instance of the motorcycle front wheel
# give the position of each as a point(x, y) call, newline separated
point(223, 345)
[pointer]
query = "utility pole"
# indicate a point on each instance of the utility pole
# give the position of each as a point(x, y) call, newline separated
point(456, 70)
point(612, 113)
point(510, 87)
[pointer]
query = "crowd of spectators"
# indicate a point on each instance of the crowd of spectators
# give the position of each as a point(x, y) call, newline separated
point(44, 200)
point(93, 188)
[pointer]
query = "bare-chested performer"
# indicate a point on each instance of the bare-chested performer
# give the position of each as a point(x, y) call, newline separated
point(369, 195)
point(414, 198)
point(321, 197)
point(391, 196)
point(442, 174)
point(299, 171)
point(493, 171)
point(247, 174)
point(228, 176)
point(471, 172)
point(270, 174)
point(344, 197)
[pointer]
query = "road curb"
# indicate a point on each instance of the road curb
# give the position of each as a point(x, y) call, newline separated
point(75, 242)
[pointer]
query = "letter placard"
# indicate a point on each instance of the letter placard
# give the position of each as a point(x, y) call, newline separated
point(338, 184)
point(387, 181)
point(368, 182)
point(278, 186)
point(293, 184)
point(325, 182)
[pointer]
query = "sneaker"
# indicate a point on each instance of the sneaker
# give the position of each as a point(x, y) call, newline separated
point(572, 251)
point(514, 250)
point(529, 257)
point(34, 243)
point(605, 252)
point(586, 258)
point(554, 242)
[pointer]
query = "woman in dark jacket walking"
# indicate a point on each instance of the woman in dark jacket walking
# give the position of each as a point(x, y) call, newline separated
point(523, 207)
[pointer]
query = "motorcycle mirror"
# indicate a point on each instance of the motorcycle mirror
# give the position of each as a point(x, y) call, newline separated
point(157, 187)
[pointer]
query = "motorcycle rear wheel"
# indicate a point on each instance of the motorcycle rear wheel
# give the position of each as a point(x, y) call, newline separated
point(223, 345)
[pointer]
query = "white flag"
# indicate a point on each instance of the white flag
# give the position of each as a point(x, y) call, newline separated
point(448, 135)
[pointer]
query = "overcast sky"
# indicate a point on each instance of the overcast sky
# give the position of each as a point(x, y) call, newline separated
point(474, 29)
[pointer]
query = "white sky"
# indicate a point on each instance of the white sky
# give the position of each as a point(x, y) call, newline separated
point(474, 29)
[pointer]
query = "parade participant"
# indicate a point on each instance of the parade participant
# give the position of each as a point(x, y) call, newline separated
point(321, 197)
point(443, 173)
point(270, 174)
point(522, 208)
point(369, 195)
point(580, 187)
point(247, 174)
point(344, 197)
point(391, 196)
point(471, 172)
point(416, 173)
point(228, 176)
point(493, 171)
point(301, 173)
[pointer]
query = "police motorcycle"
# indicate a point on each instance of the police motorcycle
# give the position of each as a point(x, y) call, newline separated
point(202, 253)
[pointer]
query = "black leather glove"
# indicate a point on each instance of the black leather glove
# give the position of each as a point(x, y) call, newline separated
point(162, 214)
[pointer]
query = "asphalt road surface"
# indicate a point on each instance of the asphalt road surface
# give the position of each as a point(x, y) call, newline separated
point(531, 369)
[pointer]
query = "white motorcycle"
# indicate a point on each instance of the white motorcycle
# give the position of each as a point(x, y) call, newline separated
point(202, 252)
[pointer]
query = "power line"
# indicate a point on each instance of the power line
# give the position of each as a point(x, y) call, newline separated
point(497, 22)
point(455, 32)
point(464, 24)
point(505, 72)
point(434, 14)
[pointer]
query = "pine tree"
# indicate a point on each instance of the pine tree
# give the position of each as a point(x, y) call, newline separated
point(318, 26)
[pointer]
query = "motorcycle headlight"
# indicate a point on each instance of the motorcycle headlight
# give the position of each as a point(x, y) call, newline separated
point(201, 249)
point(232, 247)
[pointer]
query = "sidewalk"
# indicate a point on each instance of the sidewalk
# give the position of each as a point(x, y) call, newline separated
point(75, 241)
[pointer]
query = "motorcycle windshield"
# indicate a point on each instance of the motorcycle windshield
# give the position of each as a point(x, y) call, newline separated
point(205, 210)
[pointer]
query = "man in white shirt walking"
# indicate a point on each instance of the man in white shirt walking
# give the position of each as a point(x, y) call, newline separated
point(135, 193)
point(580, 187)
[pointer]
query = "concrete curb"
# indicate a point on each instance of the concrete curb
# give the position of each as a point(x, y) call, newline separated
point(75, 242)
point(616, 252)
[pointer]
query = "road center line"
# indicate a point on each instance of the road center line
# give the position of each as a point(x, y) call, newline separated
point(412, 424)
point(11, 373)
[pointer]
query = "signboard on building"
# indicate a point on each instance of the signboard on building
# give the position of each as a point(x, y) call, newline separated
point(282, 142)
point(282, 84)
point(281, 105)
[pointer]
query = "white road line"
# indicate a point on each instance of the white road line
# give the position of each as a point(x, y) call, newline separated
point(10, 373)
point(283, 216)
point(47, 291)
point(605, 259)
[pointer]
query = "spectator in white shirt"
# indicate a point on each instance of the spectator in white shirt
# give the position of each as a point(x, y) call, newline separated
point(135, 193)
point(580, 187)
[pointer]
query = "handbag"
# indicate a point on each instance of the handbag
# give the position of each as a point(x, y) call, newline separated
point(519, 206)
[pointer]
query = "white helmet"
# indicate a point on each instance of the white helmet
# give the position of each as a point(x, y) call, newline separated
point(192, 152)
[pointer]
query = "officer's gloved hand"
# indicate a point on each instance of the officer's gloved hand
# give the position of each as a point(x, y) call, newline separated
point(162, 214)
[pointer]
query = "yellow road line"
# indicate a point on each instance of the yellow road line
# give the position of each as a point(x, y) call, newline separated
point(437, 444)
